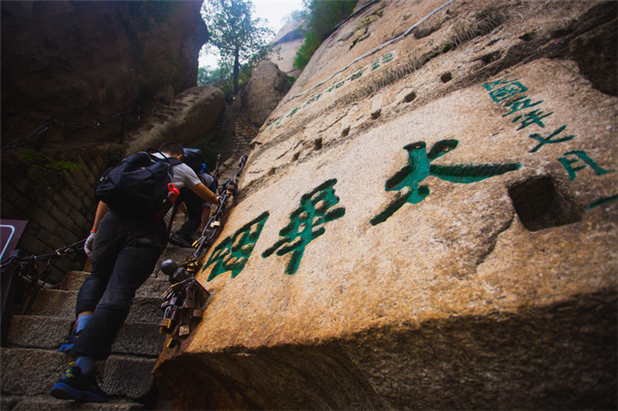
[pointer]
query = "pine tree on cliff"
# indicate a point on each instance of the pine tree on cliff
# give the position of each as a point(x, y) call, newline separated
point(235, 33)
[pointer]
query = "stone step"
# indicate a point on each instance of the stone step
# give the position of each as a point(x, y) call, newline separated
point(60, 303)
point(35, 371)
point(154, 286)
point(48, 403)
point(33, 331)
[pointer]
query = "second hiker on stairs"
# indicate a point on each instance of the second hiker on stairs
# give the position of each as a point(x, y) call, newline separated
point(197, 209)
point(125, 246)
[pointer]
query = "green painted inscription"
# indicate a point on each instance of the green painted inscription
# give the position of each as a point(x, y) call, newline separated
point(419, 168)
point(233, 252)
point(307, 223)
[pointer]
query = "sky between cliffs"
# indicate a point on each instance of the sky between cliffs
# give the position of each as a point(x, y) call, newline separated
point(275, 11)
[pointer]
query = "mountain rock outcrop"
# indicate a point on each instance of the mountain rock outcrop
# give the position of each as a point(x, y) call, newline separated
point(428, 220)
point(185, 118)
point(82, 62)
point(263, 92)
point(286, 43)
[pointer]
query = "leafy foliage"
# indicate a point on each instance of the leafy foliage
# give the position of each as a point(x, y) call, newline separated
point(239, 38)
point(41, 166)
point(221, 77)
point(208, 76)
point(322, 16)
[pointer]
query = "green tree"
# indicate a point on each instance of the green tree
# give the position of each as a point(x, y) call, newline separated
point(235, 34)
point(322, 17)
point(207, 76)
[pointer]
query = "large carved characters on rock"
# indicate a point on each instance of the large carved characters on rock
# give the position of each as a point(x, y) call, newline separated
point(428, 220)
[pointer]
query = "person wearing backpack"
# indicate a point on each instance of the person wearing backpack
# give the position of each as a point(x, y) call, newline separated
point(196, 206)
point(124, 247)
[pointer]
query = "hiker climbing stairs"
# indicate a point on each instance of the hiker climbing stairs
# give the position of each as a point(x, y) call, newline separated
point(31, 362)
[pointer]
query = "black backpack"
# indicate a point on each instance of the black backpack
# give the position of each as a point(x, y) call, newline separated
point(138, 186)
point(194, 158)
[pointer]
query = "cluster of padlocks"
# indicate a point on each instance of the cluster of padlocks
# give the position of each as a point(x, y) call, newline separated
point(183, 303)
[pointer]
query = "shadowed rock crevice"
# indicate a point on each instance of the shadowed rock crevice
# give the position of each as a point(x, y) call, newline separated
point(288, 377)
point(475, 362)
point(542, 202)
point(591, 41)
point(466, 362)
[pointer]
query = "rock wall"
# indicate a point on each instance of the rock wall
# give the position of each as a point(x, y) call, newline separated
point(286, 43)
point(264, 90)
point(59, 206)
point(239, 124)
point(78, 79)
point(188, 116)
point(83, 62)
point(427, 221)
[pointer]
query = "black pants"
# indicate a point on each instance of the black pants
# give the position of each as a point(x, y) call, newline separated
point(124, 254)
point(195, 206)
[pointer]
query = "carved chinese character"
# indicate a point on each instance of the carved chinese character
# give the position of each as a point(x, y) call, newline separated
point(408, 179)
point(581, 156)
point(550, 139)
point(520, 103)
point(233, 252)
point(534, 117)
point(507, 91)
point(307, 223)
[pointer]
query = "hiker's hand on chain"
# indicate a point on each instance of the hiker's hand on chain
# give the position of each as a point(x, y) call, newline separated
point(88, 244)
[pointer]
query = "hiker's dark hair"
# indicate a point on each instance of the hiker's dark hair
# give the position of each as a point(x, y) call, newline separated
point(172, 147)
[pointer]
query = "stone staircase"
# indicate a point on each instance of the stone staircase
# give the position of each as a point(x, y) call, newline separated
point(31, 363)
point(234, 131)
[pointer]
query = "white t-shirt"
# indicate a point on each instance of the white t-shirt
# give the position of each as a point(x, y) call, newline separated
point(183, 176)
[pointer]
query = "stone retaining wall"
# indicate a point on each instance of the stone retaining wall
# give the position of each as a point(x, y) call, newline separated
point(59, 207)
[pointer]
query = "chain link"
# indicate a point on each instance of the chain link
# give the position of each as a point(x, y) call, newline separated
point(62, 124)
point(57, 254)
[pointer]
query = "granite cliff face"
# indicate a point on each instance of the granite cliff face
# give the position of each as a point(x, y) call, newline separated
point(427, 221)
point(286, 43)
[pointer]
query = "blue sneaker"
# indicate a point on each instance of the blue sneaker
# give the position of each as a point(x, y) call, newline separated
point(69, 343)
point(74, 385)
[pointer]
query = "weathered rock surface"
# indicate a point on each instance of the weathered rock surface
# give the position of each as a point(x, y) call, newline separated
point(82, 62)
point(263, 92)
point(428, 221)
point(286, 43)
point(190, 114)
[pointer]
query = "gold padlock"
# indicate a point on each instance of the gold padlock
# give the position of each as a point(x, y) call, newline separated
point(184, 330)
point(165, 327)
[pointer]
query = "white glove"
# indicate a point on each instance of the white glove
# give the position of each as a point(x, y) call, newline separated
point(88, 244)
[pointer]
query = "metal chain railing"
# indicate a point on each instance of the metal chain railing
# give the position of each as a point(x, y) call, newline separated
point(57, 254)
point(53, 122)
point(22, 278)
